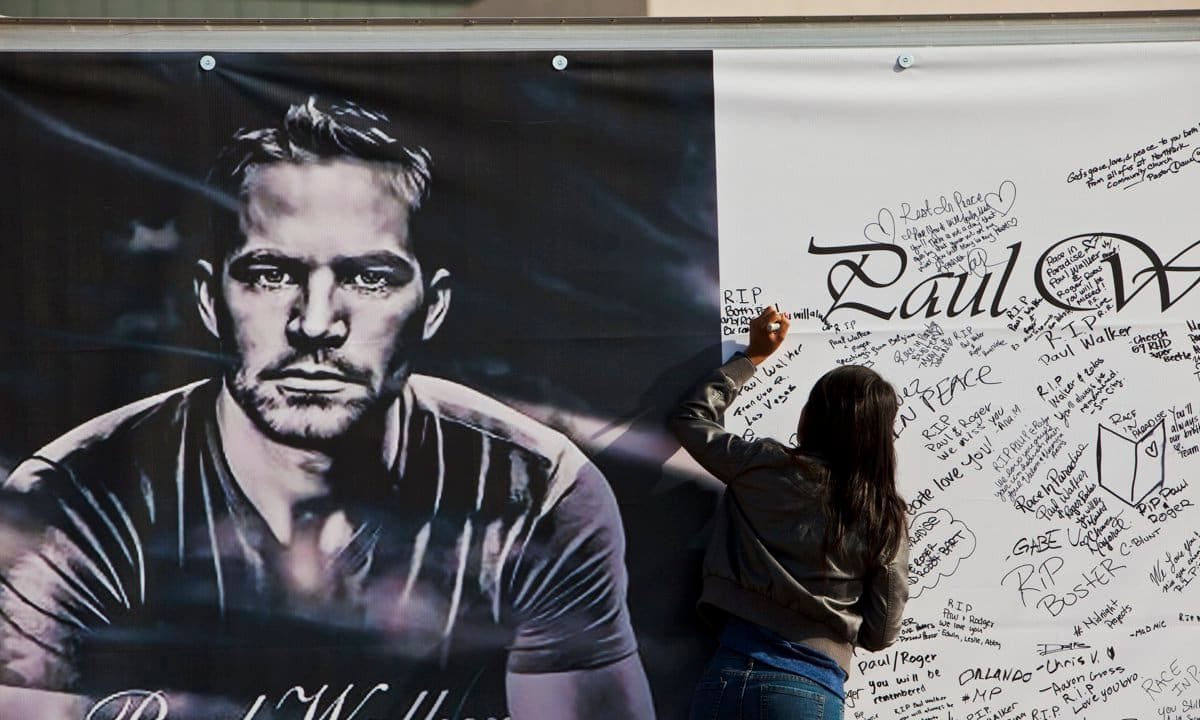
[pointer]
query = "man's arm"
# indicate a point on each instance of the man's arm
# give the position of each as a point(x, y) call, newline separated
point(618, 690)
point(574, 655)
point(37, 633)
point(61, 575)
point(16, 702)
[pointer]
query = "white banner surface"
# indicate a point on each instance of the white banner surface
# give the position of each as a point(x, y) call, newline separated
point(1008, 235)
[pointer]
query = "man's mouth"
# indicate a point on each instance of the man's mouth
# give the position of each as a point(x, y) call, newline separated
point(310, 380)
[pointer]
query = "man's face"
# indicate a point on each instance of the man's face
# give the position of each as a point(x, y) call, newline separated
point(324, 300)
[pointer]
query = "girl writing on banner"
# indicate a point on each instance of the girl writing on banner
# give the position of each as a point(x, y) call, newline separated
point(809, 555)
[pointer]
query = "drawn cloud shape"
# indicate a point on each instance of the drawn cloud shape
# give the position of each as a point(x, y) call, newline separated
point(937, 545)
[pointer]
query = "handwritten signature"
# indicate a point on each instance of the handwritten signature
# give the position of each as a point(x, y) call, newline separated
point(155, 704)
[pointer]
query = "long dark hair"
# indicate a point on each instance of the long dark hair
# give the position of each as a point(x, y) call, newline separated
point(848, 423)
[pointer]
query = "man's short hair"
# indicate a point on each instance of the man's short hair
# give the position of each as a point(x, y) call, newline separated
point(311, 132)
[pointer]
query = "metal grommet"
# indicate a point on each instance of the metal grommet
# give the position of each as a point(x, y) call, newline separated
point(559, 62)
point(905, 60)
point(208, 62)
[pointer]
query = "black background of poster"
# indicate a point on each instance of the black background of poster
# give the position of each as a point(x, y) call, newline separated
point(577, 211)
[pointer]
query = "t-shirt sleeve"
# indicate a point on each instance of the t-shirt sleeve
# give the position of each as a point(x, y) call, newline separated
point(569, 582)
point(59, 579)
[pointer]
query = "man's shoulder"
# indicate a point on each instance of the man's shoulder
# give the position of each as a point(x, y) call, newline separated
point(117, 435)
point(468, 408)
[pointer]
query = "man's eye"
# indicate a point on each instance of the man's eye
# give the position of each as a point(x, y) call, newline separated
point(271, 277)
point(371, 279)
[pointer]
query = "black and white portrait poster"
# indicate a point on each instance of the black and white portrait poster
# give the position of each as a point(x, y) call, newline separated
point(333, 385)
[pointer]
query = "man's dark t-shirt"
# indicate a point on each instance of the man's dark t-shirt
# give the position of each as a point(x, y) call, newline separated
point(492, 543)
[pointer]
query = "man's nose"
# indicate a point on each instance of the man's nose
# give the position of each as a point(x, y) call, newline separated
point(318, 318)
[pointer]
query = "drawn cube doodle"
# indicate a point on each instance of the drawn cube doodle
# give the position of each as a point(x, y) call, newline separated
point(1131, 469)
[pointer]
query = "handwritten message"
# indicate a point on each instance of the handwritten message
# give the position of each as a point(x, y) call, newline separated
point(947, 233)
point(1176, 569)
point(1153, 161)
point(962, 622)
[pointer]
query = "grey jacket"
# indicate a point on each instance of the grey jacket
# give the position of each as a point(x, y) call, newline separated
point(764, 562)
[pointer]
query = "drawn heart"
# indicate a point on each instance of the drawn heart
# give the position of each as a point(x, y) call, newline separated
point(882, 232)
point(1152, 449)
point(1090, 242)
point(1003, 200)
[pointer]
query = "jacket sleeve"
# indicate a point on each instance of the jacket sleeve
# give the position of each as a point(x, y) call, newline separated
point(884, 596)
point(698, 421)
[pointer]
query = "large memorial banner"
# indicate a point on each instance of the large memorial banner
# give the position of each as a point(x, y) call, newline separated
point(333, 385)
point(1002, 233)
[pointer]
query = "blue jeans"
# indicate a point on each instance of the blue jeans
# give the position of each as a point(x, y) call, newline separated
point(735, 687)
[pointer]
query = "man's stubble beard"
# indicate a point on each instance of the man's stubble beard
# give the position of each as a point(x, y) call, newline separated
point(268, 410)
point(311, 421)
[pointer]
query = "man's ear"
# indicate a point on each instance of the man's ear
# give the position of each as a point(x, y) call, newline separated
point(437, 302)
point(204, 286)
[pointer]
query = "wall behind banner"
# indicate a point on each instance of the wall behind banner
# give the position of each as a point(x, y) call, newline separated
point(1006, 235)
